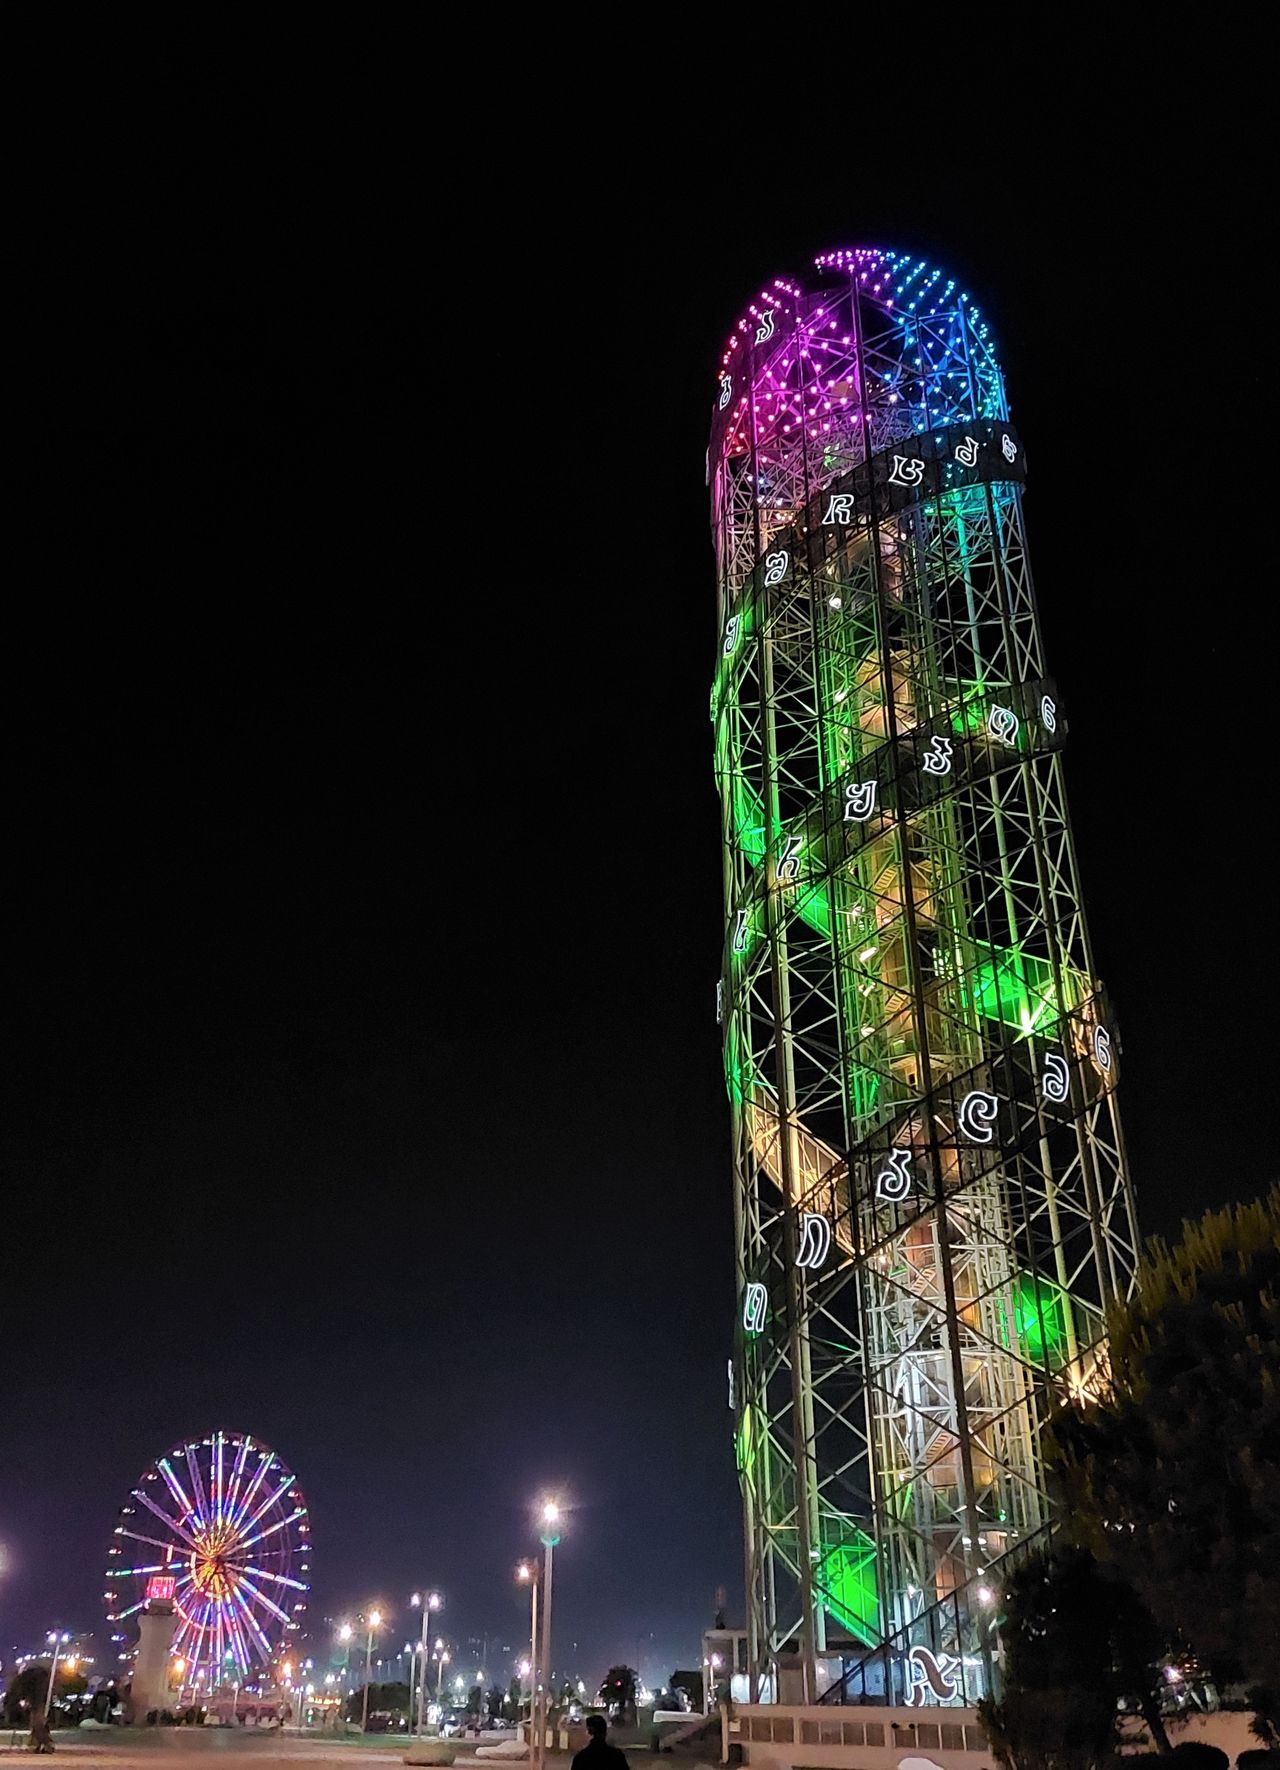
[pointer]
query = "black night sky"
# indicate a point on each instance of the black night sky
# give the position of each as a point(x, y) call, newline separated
point(363, 1087)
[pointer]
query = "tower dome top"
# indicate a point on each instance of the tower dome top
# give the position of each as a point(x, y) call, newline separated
point(893, 280)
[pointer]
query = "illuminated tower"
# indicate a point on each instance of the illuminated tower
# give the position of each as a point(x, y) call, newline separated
point(931, 1197)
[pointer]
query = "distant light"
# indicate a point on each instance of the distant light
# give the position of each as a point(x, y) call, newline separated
point(985, 1595)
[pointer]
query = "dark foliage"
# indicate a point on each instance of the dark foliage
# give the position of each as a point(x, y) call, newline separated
point(1077, 1640)
point(1172, 1476)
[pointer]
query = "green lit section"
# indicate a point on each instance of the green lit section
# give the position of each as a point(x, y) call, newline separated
point(738, 1073)
point(743, 1439)
point(847, 1582)
point(1039, 1319)
point(1012, 987)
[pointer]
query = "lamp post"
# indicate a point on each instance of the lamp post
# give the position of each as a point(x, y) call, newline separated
point(550, 1521)
point(375, 1620)
point(56, 1640)
point(428, 1605)
point(527, 1572)
point(444, 1660)
point(344, 1635)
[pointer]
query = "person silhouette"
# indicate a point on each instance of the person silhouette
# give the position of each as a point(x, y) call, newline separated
point(597, 1753)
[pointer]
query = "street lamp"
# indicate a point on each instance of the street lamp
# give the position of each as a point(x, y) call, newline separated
point(428, 1605)
point(527, 1574)
point(375, 1621)
point(443, 1662)
point(549, 1519)
point(55, 1640)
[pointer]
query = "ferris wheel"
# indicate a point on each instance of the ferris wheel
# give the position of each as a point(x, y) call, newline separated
point(219, 1527)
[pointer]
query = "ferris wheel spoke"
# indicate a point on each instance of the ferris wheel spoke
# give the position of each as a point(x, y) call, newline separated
point(252, 1620)
point(201, 1628)
point(273, 1528)
point(259, 1476)
point(172, 1546)
point(197, 1486)
point(266, 1505)
point(215, 1474)
point(237, 1472)
point(250, 1651)
point(117, 1572)
point(179, 1530)
point(247, 1585)
point(175, 1487)
point(280, 1578)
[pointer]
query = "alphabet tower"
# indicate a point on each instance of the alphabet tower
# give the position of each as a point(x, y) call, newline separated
point(932, 1204)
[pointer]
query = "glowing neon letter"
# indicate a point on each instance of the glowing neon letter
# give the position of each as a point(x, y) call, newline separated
point(840, 509)
point(1002, 723)
point(731, 633)
point(740, 933)
point(894, 1179)
point(967, 452)
point(908, 470)
point(938, 758)
point(1009, 447)
point(775, 568)
point(1048, 714)
point(977, 1115)
point(1055, 1081)
point(859, 802)
point(1102, 1048)
point(764, 331)
point(815, 1240)
point(755, 1307)
point(726, 390)
point(789, 865)
point(929, 1674)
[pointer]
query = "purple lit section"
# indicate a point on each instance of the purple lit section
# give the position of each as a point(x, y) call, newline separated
point(814, 379)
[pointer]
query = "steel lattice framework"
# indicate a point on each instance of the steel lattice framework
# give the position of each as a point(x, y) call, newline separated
point(932, 1204)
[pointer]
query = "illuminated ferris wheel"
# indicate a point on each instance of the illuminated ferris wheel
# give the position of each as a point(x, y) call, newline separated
point(218, 1527)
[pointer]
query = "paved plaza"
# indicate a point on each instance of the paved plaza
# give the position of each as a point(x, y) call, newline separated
point(192, 1748)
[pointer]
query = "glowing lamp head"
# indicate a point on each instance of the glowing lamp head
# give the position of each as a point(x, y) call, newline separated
point(344, 1633)
point(550, 1513)
point(375, 1619)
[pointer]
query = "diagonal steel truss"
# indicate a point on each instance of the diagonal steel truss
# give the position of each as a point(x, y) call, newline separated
point(917, 1049)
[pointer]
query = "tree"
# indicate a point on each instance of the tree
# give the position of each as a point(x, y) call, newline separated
point(384, 1699)
point(691, 1684)
point(1076, 1641)
point(1171, 1475)
point(618, 1691)
point(25, 1694)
